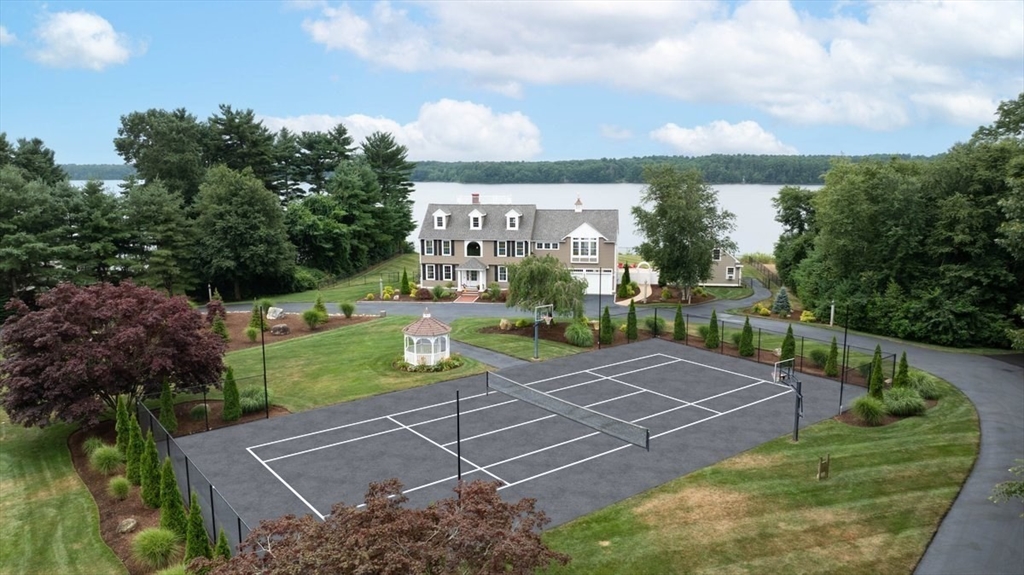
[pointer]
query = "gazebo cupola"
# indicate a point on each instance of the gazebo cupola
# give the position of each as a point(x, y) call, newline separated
point(426, 341)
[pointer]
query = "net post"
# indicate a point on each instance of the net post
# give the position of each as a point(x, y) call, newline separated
point(758, 345)
point(213, 509)
point(487, 383)
point(721, 336)
point(458, 436)
point(647, 441)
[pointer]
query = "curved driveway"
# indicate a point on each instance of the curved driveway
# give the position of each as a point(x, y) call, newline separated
point(976, 535)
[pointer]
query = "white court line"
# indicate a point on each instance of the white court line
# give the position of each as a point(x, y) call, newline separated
point(676, 399)
point(436, 444)
point(285, 483)
point(336, 444)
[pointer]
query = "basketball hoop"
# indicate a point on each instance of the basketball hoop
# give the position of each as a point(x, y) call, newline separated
point(548, 319)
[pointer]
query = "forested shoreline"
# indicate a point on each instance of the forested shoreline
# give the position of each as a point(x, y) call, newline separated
point(716, 169)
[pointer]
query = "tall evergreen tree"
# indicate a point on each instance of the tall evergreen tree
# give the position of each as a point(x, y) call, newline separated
point(101, 234)
point(197, 542)
point(320, 154)
point(713, 339)
point(405, 287)
point(788, 345)
point(631, 333)
point(122, 426)
point(747, 340)
point(149, 468)
point(679, 325)
point(607, 335)
point(393, 171)
point(902, 373)
point(236, 139)
point(167, 416)
point(223, 548)
point(624, 290)
point(133, 457)
point(172, 510)
point(287, 169)
point(832, 364)
point(164, 147)
point(161, 239)
point(36, 162)
point(876, 383)
point(232, 409)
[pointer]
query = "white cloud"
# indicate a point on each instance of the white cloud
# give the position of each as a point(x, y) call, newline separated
point(875, 70)
point(615, 132)
point(81, 40)
point(721, 137)
point(445, 130)
point(6, 37)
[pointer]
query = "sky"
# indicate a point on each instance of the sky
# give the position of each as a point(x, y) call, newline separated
point(463, 81)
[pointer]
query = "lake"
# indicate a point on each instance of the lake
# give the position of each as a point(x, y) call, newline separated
point(756, 228)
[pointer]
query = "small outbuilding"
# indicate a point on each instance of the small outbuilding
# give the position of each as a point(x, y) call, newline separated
point(427, 341)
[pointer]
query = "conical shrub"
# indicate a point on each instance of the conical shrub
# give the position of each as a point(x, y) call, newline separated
point(172, 510)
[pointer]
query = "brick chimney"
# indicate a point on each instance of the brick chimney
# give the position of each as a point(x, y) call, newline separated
point(476, 198)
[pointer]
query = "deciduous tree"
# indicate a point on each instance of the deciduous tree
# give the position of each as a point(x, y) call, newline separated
point(84, 346)
point(544, 280)
point(164, 146)
point(682, 225)
point(475, 532)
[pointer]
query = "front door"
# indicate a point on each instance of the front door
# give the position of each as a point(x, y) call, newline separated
point(472, 278)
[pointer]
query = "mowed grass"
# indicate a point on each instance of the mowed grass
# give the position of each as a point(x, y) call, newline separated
point(337, 365)
point(49, 520)
point(467, 330)
point(355, 288)
point(764, 511)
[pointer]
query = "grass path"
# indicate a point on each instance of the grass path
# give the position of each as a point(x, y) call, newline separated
point(764, 511)
point(49, 520)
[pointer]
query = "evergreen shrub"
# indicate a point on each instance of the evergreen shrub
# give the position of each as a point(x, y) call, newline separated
point(251, 334)
point(220, 328)
point(347, 308)
point(232, 411)
point(712, 340)
point(607, 333)
point(781, 305)
point(747, 340)
point(679, 324)
point(314, 318)
point(168, 418)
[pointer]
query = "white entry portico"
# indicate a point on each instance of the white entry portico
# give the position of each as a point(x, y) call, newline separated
point(472, 275)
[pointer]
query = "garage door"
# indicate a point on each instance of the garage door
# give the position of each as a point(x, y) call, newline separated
point(597, 282)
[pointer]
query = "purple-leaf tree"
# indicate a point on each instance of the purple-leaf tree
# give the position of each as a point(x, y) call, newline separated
point(70, 358)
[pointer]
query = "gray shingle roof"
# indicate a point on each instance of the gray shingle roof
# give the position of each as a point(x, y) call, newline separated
point(493, 227)
point(554, 225)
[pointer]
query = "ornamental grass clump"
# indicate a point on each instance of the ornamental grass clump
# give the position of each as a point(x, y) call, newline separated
point(314, 318)
point(252, 399)
point(655, 325)
point(198, 412)
point(868, 409)
point(156, 548)
point(92, 444)
point(903, 402)
point(578, 333)
point(924, 384)
point(119, 487)
point(106, 459)
point(347, 308)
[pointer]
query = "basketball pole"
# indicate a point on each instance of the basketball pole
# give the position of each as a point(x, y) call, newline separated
point(458, 435)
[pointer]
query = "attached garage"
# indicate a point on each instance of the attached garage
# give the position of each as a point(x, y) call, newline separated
point(598, 282)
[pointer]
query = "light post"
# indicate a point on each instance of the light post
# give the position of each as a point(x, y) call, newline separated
point(381, 286)
point(209, 292)
point(832, 314)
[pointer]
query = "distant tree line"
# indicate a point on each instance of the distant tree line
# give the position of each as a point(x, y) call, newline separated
point(928, 251)
point(224, 202)
point(714, 169)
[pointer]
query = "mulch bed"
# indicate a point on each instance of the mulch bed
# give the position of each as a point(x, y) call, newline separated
point(675, 296)
point(849, 418)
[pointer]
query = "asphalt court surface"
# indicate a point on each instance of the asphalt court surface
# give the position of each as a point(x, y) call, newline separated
point(700, 408)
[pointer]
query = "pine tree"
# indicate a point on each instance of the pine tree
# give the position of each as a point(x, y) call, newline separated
point(133, 458)
point(197, 544)
point(712, 340)
point(223, 548)
point(631, 334)
point(624, 290)
point(781, 306)
point(404, 286)
point(877, 383)
point(607, 335)
point(788, 345)
point(232, 408)
point(149, 471)
point(747, 340)
point(220, 328)
point(167, 416)
point(678, 325)
point(902, 372)
point(319, 305)
point(172, 510)
point(216, 295)
point(255, 317)
point(832, 365)
point(122, 426)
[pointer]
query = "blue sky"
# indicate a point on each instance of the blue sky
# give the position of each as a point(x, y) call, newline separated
point(524, 80)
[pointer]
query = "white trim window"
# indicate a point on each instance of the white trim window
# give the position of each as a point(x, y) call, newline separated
point(446, 247)
point(502, 274)
point(716, 254)
point(474, 222)
point(730, 274)
point(501, 249)
point(438, 222)
point(546, 246)
point(429, 272)
point(513, 223)
point(584, 250)
point(428, 247)
point(446, 272)
point(521, 249)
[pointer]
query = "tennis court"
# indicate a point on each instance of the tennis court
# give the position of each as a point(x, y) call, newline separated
point(691, 407)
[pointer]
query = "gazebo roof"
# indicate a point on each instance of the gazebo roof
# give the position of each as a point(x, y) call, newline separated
point(426, 327)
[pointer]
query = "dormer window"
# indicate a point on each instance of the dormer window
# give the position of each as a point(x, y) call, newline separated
point(476, 220)
point(440, 219)
point(512, 220)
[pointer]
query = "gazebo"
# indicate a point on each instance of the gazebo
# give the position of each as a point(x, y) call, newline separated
point(426, 341)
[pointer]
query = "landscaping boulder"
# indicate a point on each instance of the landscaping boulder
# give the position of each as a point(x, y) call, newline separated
point(280, 329)
point(127, 526)
point(274, 312)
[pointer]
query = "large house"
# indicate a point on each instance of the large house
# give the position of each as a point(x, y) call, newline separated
point(470, 245)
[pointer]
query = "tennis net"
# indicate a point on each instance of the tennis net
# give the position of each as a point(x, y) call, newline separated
point(624, 430)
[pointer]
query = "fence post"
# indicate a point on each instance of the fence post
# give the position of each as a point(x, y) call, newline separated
point(686, 330)
point(188, 478)
point(893, 376)
point(801, 354)
point(213, 509)
point(239, 522)
point(758, 345)
point(721, 339)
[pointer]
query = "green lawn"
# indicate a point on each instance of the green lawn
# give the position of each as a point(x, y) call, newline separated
point(763, 511)
point(50, 521)
point(337, 365)
point(356, 287)
point(730, 292)
point(467, 330)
